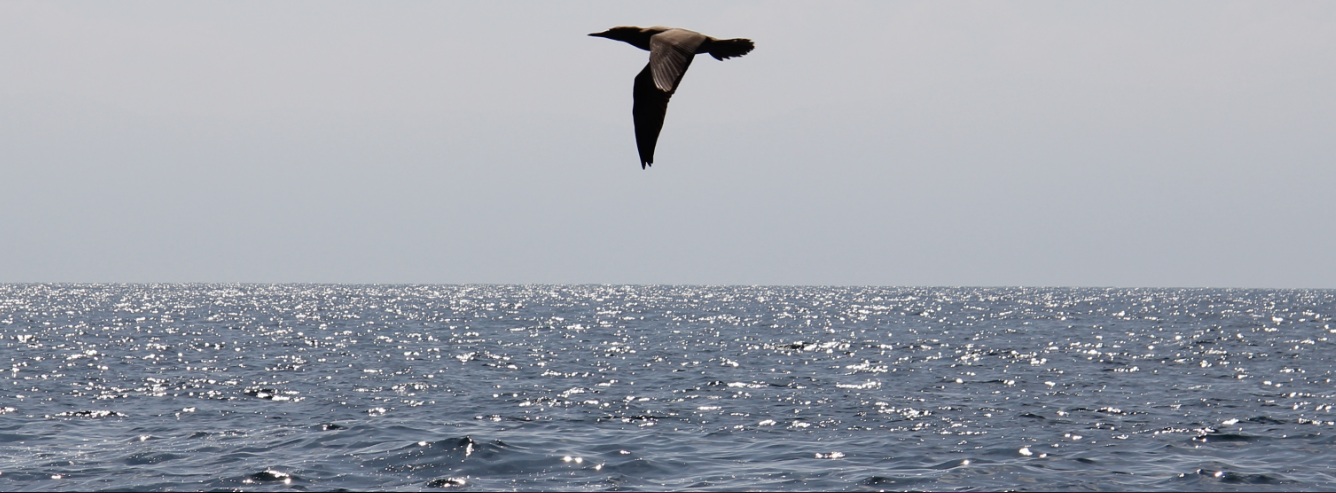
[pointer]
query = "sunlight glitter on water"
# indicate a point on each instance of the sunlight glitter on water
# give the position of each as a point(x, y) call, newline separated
point(657, 387)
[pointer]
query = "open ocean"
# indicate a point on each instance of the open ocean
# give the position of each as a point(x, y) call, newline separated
point(607, 388)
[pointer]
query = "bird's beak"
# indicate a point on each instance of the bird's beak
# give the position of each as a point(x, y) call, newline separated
point(603, 34)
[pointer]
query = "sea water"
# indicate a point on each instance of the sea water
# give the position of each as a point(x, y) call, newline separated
point(421, 387)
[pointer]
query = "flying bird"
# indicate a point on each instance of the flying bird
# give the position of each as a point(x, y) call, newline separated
point(670, 53)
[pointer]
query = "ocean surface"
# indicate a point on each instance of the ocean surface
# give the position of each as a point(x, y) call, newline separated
point(610, 388)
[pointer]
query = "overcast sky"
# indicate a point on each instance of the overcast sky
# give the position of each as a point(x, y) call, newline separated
point(1040, 143)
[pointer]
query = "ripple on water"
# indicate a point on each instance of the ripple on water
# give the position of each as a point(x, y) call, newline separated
point(270, 476)
point(660, 387)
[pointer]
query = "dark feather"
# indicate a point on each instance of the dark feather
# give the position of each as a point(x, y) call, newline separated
point(729, 48)
point(648, 111)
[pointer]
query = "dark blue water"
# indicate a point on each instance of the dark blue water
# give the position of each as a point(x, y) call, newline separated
point(327, 387)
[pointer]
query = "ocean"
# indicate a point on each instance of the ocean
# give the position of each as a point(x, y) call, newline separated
point(625, 388)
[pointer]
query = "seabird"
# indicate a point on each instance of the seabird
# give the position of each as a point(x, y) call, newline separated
point(670, 53)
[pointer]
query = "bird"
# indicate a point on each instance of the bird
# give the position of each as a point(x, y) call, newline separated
point(670, 52)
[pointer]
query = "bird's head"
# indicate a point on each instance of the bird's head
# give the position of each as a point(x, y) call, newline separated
point(629, 34)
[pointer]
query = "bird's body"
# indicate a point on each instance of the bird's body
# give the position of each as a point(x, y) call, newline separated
point(670, 53)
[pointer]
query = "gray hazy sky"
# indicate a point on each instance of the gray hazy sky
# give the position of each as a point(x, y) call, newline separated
point(1030, 143)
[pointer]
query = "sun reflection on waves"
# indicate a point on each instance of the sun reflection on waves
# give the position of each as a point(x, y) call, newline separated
point(664, 387)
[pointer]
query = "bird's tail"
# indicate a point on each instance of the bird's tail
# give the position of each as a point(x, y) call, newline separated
point(729, 48)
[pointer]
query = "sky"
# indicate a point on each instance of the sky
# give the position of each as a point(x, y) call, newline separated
point(893, 143)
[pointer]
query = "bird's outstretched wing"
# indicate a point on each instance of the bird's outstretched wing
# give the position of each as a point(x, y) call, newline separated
point(670, 53)
point(650, 106)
